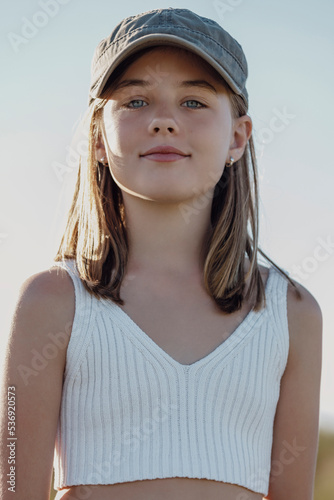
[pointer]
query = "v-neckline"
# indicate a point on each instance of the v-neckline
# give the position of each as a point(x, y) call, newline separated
point(125, 322)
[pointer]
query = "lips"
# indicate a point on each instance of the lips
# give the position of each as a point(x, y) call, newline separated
point(165, 153)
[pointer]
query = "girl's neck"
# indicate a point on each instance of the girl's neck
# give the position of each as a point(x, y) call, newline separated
point(166, 238)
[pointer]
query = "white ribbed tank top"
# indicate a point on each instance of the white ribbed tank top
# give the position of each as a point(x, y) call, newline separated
point(129, 411)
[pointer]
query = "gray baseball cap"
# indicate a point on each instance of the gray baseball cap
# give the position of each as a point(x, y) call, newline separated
point(179, 27)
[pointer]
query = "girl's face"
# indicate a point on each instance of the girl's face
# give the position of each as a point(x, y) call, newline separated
point(164, 110)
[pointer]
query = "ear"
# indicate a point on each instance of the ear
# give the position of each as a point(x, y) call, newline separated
point(100, 151)
point(241, 132)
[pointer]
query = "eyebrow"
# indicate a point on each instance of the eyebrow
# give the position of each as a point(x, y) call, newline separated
point(185, 84)
point(198, 83)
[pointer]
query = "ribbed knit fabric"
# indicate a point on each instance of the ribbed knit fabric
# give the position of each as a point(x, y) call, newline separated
point(130, 412)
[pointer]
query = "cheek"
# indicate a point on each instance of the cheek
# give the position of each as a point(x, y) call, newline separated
point(213, 129)
point(115, 135)
point(116, 128)
point(223, 139)
point(118, 142)
point(215, 141)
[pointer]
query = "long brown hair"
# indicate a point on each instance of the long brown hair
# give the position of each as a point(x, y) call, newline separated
point(96, 237)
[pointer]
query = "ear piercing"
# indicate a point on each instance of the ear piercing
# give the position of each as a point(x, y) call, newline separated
point(230, 163)
point(103, 160)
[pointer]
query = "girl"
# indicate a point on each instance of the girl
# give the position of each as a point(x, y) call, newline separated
point(158, 359)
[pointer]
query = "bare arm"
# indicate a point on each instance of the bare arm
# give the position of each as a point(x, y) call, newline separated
point(34, 366)
point(297, 418)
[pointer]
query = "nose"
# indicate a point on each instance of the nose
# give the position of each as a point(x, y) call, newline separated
point(164, 123)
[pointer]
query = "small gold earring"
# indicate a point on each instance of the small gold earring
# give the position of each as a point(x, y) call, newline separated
point(103, 160)
point(230, 163)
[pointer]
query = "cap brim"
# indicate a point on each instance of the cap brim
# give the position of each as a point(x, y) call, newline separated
point(162, 39)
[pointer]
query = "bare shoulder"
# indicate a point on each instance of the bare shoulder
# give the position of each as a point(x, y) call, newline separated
point(304, 314)
point(51, 282)
point(34, 369)
point(305, 302)
point(304, 318)
point(52, 286)
point(47, 298)
point(297, 414)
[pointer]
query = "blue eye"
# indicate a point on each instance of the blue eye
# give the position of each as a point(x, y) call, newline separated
point(197, 102)
point(135, 100)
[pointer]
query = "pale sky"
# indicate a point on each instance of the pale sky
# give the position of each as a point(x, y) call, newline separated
point(46, 51)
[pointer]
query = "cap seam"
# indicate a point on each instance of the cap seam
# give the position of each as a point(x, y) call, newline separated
point(177, 27)
point(168, 11)
point(167, 17)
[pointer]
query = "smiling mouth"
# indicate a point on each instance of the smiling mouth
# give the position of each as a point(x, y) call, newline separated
point(165, 153)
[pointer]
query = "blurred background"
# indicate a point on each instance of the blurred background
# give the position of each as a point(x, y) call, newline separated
point(46, 53)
